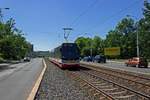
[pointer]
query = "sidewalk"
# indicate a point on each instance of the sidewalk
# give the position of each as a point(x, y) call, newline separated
point(117, 61)
point(4, 65)
point(7, 63)
point(121, 61)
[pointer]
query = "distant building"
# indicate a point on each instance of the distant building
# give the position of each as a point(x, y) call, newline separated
point(41, 53)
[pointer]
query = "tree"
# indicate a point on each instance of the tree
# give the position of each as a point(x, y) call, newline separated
point(12, 44)
point(84, 44)
point(123, 36)
point(144, 31)
point(98, 46)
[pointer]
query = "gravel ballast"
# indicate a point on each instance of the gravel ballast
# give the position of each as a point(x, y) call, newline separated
point(56, 85)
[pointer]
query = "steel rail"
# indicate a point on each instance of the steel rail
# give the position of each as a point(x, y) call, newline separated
point(124, 87)
point(139, 75)
point(95, 69)
point(97, 89)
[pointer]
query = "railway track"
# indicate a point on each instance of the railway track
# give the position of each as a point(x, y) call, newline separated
point(110, 84)
point(105, 89)
point(135, 82)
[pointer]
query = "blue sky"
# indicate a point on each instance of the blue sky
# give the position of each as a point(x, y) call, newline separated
point(42, 20)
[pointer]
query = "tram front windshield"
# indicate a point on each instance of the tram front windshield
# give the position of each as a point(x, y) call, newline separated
point(70, 52)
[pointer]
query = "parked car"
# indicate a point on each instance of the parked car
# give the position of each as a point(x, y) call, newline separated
point(100, 59)
point(27, 59)
point(137, 62)
point(87, 59)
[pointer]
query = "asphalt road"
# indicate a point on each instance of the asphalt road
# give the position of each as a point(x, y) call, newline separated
point(122, 66)
point(16, 81)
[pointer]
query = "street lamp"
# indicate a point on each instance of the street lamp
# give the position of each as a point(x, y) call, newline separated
point(1, 15)
point(137, 37)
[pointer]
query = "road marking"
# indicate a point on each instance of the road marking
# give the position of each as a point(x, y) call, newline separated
point(37, 83)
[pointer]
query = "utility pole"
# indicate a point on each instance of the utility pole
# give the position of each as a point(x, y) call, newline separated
point(137, 43)
point(137, 37)
point(66, 33)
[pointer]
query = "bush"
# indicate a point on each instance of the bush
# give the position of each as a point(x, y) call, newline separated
point(1, 60)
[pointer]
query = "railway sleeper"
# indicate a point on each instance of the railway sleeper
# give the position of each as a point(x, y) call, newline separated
point(135, 79)
point(86, 77)
point(97, 94)
point(127, 97)
point(83, 84)
point(140, 88)
point(148, 83)
point(106, 87)
point(112, 90)
point(143, 81)
point(92, 80)
point(137, 88)
point(101, 84)
point(87, 87)
point(92, 91)
point(100, 96)
point(97, 97)
point(104, 98)
point(104, 83)
point(77, 79)
point(120, 93)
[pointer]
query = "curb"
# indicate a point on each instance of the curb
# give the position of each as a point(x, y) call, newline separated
point(37, 83)
point(4, 65)
point(120, 62)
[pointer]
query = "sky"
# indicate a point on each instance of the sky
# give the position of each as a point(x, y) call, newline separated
point(42, 21)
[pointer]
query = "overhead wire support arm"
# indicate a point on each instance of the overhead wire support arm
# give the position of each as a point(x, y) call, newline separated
point(66, 33)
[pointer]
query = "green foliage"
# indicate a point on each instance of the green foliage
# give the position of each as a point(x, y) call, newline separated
point(1, 59)
point(12, 44)
point(86, 44)
point(123, 36)
point(144, 31)
point(98, 45)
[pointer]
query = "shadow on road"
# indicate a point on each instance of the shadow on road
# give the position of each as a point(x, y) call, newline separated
point(5, 67)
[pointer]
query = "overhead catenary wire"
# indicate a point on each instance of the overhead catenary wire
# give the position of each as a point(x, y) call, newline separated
point(114, 14)
point(83, 13)
point(78, 17)
point(106, 20)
